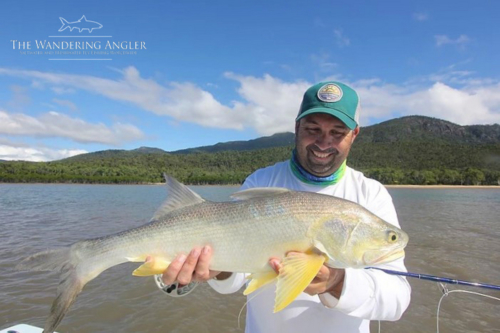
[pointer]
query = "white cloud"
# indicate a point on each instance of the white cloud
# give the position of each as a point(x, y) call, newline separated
point(35, 154)
point(20, 97)
point(62, 91)
point(182, 101)
point(420, 16)
point(323, 61)
point(188, 102)
point(37, 85)
point(319, 23)
point(444, 39)
point(465, 106)
point(271, 105)
point(267, 104)
point(342, 40)
point(286, 68)
point(378, 100)
point(65, 103)
point(53, 124)
point(212, 85)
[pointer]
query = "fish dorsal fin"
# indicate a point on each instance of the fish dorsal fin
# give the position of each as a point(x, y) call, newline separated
point(258, 192)
point(295, 275)
point(179, 195)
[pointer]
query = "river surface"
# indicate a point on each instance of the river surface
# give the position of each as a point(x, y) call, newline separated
point(453, 233)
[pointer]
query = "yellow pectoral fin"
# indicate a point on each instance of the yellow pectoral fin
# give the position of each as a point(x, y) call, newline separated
point(295, 275)
point(152, 267)
point(260, 279)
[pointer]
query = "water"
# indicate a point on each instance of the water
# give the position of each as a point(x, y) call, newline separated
point(453, 233)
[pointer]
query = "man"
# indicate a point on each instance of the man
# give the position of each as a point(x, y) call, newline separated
point(337, 300)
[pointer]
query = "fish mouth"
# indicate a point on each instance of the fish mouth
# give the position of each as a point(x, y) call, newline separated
point(371, 258)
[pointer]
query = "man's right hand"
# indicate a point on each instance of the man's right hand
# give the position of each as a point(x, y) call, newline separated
point(193, 267)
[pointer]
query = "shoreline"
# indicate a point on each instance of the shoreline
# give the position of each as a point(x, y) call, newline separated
point(445, 186)
point(157, 184)
point(113, 184)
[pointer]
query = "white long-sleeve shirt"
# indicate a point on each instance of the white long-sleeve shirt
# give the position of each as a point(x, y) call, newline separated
point(366, 294)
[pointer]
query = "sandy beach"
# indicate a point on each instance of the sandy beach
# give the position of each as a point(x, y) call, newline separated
point(445, 186)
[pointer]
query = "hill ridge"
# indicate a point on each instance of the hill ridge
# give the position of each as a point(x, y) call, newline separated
point(413, 128)
point(408, 150)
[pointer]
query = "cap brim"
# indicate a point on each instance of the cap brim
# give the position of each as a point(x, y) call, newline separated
point(332, 112)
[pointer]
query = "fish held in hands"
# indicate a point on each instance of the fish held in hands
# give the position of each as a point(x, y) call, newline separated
point(259, 224)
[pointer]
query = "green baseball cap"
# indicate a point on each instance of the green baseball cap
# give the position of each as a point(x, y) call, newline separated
point(333, 98)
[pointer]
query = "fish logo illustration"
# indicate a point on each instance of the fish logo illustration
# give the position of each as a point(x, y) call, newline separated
point(81, 24)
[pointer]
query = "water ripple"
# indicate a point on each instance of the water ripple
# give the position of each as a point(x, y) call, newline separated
point(452, 232)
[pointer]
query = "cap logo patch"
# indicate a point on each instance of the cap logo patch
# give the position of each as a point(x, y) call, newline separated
point(330, 93)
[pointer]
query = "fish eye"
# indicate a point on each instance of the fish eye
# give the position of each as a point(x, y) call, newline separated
point(392, 236)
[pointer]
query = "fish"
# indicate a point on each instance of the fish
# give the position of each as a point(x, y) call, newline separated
point(81, 24)
point(244, 233)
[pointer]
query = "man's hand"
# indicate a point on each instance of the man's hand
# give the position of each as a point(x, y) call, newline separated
point(328, 280)
point(193, 267)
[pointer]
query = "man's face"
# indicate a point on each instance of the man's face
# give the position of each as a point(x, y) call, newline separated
point(322, 143)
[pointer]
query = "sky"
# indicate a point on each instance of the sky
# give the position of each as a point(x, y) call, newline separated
point(183, 74)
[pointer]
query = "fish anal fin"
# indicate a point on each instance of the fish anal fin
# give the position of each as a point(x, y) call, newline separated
point(296, 273)
point(259, 280)
point(137, 259)
point(152, 266)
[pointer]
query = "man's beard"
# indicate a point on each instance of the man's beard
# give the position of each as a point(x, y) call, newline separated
point(321, 162)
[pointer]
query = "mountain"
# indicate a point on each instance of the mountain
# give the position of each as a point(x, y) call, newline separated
point(149, 150)
point(276, 140)
point(404, 129)
point(99, 154)
point(420, 128)
point(407, 142)
point(407, 150)
point(410, 129)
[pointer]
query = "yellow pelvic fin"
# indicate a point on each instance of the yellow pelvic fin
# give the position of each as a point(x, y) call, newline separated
point(260, 279)
point(296, 274)
point(151, 267)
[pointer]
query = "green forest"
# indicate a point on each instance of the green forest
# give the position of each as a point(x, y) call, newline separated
point(413, 150)
point(418, 163)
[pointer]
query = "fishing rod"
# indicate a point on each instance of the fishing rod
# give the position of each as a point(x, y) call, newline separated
point(439, 279)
